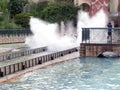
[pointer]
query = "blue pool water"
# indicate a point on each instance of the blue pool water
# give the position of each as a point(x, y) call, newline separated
point(79, 74)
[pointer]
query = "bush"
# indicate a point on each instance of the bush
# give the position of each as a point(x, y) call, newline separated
point(37, 8)
point(1, 18)
point(16, 7)
point(57, 12)
point(22, 19)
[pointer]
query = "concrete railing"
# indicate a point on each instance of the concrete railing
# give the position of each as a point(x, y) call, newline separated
point(12, 39)
point(22, 65)
point(12, 55)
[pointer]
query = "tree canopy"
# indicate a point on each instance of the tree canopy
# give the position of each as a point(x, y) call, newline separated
point(57, 11)
point(37, 8)
point(22, 19)
point(16, 6)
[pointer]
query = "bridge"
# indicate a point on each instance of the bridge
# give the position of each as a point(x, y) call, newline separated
point(95, 42)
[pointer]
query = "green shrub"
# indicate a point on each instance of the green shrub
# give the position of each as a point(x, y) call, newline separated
point(1, 18)
point(22, 19)
point(37, 8)
point(16, 7)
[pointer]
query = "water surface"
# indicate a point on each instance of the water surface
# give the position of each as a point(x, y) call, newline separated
point(79, 74)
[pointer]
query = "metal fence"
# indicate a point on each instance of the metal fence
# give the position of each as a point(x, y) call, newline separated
point(100, 35)
point(15, 32)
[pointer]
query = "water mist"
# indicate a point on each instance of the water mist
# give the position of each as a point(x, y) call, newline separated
point(46, 34)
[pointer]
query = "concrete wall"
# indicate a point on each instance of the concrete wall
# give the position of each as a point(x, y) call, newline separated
point(79, 2)
point(114, 6)
point(93, 50)
point(5, 39)
point(6, 70)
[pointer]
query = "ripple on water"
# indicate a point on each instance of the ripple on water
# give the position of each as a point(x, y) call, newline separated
point(84, 74)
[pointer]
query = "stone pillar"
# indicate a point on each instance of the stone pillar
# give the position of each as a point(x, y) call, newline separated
point(26, 8)
point(114, 6)
point(62, 28)
point(119, 14)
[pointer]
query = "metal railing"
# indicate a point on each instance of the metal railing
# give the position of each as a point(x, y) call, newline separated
point(15, 32)
point(100, 35)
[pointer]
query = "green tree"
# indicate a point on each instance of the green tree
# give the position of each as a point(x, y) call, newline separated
point(16, 6)
point(22, 19)
point(5, 21)
point(37, 8)
point(4, 10)
point(57, 12)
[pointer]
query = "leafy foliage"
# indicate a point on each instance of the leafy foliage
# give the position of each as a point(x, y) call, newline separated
point(5, 21)
point(37, 8)
point(16, 6)
point(56, 11)
point(22, 19)
point(53, 11)
point(3, 5)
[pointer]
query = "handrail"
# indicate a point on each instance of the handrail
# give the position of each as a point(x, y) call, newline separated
point(102, 28)
point(15, 32)
point(100, 35)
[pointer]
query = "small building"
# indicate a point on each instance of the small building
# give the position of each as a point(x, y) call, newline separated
point(113, 8)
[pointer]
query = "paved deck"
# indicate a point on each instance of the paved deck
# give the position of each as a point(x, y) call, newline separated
point(22, 59)
point(6, 48)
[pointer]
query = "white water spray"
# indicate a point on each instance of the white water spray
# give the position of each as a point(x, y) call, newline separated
point(100, 20)
point(45, 34)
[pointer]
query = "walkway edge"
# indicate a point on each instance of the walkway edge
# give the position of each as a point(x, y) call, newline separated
point(18, 75)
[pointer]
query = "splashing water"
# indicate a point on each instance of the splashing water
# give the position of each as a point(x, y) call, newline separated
point(46, 34)
point(100, 20)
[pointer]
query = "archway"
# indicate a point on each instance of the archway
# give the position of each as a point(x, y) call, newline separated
point(108, 54)
point(85, 7)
